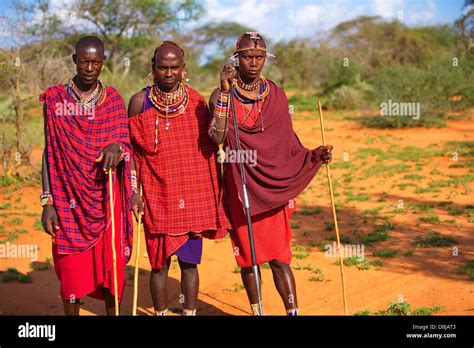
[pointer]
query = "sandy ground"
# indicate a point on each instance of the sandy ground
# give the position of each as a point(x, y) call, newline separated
point(425, 278)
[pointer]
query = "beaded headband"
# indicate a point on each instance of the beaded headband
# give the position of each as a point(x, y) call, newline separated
point(258, 43)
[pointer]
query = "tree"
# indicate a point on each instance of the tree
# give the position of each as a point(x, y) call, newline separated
point(217, 43)
point(119, 20)
point(468, 21)
point(29, 65)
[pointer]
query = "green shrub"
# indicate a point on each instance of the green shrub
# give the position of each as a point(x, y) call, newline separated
point(348, 97)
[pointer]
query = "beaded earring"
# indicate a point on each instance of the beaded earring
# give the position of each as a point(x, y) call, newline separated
point(183, 77)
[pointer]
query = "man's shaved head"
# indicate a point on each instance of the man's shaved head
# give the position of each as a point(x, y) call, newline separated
point(166, 48)
point(88, 42)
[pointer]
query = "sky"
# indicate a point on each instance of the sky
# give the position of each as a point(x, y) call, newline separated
point(287, 19)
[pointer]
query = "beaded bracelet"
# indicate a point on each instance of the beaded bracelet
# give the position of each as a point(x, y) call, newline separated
point(46, 198)
point(134, 182)
point(217, 129)
point(222, 106)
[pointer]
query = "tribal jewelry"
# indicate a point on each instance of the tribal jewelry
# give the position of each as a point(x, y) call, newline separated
point(189, 312)
point(46, 198)
point(247, 98)
point(162, 313)
point(168, 105)
point(96, 98)
point(222, 106)
point(134, 182)
point(256, 309)
point(244, 95)
point(248, 87)
point(292, 312)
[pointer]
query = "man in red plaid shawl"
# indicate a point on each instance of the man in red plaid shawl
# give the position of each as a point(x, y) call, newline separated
point(86, 135)
point(176, 165)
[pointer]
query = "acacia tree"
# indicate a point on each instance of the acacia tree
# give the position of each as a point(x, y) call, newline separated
point(217, 42)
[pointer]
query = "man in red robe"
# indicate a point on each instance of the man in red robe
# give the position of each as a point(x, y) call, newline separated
point(277, 167)
point(176, 165)
point(86, 135)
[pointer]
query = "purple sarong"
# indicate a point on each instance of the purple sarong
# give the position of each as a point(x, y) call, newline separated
point(191, 251)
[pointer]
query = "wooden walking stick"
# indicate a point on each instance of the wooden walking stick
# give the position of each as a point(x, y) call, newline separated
point(114, 254)
point(137, 264)
point(334, 213)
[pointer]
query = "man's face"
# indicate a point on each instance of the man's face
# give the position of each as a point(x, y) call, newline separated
point(89, 62)
point(251, 63)
point(168, 70)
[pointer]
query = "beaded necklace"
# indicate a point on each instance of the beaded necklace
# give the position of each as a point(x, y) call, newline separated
point(96, 98)
point(168, 105)
point(247, 98)
point(248, 87)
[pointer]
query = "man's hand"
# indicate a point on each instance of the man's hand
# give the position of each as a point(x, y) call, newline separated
point(110, 155)
point(326, 155)
point(227, 75)
point(50, 221)
point(137, 205)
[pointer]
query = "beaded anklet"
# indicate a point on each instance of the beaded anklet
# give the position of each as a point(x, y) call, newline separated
point(292, 312)
point(162, 313)
point(256, 309)
point(189, 312)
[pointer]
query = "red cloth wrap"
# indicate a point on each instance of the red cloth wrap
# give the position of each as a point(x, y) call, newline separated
point(180, 181)
point(79, 185)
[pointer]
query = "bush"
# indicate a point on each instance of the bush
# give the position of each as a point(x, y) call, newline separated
point(434, 88)
point(348, 97)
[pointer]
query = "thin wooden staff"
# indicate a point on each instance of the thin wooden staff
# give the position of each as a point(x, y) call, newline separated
point(114, 254)
point(334, 213)
point(137, 263)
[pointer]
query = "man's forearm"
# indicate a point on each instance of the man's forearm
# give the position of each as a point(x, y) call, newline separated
point(219, 124)
point(218, 130)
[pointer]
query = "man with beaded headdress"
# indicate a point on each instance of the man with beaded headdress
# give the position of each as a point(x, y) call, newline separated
point(86, 135)
point(280, 168)
point(175, 162)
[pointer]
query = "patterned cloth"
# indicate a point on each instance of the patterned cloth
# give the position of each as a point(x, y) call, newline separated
point(91, 271)
point(160, 247)
point(271, 229)
point(79, 185)
point(180, 181)
point(284, 166)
